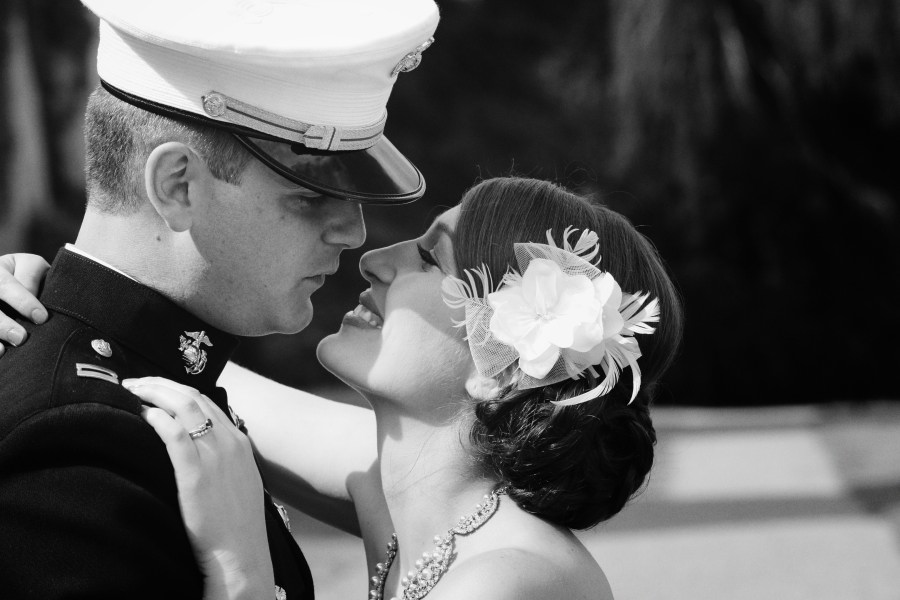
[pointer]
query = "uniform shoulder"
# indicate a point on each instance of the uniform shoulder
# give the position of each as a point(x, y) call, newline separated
point(520, 574)
point(98, 440)
point(63, 363)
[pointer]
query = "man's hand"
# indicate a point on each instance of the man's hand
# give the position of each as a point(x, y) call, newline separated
point(20, 279)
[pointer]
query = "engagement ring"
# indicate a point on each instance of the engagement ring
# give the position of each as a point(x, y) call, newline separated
point(201, 430)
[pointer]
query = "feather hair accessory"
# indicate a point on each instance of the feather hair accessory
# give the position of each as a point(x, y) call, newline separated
point(557, 317)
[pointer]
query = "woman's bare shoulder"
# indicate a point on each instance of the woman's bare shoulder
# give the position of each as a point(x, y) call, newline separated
point(522, 574)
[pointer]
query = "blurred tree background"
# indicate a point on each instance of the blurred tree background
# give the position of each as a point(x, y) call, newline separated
point(754, 141)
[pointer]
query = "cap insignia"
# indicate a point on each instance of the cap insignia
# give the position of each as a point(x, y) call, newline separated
point(192, 352)
point(412, 60)
point(214, 104)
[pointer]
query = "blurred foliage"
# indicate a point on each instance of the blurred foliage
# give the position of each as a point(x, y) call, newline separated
point(755, 142)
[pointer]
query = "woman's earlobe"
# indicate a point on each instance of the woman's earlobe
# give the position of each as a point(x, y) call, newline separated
point(167, 177)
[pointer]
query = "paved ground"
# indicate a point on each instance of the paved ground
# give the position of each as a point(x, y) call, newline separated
point(782, 503)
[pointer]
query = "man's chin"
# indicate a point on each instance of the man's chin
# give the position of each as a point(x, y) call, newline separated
point(298, 324)
point(286, 325)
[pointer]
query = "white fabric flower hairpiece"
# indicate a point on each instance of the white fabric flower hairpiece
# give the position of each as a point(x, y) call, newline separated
point(558, 316)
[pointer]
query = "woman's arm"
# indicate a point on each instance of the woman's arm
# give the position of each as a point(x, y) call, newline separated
point(317, 455)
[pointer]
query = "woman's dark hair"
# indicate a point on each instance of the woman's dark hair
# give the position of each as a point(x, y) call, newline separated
point(576, 465)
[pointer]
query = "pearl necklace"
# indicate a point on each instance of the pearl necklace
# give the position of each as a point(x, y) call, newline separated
point(432, 566)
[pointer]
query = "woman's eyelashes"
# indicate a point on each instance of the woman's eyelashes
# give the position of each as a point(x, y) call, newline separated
point(428, 258)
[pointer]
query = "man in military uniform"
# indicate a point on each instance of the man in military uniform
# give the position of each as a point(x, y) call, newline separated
point(229, 151)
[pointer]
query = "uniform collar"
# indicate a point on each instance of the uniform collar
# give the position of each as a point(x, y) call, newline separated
point(77, 250)
point(186, 349)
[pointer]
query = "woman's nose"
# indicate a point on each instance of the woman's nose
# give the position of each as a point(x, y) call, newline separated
point(379, 265)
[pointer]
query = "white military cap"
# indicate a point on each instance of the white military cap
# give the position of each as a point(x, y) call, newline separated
point(302, 84)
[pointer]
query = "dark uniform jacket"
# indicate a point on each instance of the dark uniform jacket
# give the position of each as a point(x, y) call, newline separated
point(88, 501)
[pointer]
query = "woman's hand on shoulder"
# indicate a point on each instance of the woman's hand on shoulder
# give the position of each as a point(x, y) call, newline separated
point(219, 487)
point(21, 276)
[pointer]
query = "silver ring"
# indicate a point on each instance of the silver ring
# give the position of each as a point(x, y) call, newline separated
point(201, 430)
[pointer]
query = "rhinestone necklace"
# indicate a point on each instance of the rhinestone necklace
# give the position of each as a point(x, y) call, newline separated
point(432, 566)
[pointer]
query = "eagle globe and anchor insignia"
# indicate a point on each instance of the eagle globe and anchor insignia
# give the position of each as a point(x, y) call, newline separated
point(412, 60)
point(192, 352)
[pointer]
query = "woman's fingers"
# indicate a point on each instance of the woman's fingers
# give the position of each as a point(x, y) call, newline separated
point(20, 280)
point(30, 269)
point(182, 404)
point(11, 332)
point(181, 447)
point(192, 411)
point(206, 405)
point(185, 390)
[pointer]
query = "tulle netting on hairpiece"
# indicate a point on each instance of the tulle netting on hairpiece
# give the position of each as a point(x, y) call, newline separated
point(614, 349)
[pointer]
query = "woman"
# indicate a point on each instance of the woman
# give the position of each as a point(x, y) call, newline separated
point(490, 349)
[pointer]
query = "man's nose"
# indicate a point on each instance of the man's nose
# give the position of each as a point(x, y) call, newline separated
point(347, 227)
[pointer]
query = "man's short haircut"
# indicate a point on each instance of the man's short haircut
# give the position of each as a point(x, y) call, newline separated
point(119, 137)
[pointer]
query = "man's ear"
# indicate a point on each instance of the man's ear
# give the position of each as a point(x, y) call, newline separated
point(172, 176)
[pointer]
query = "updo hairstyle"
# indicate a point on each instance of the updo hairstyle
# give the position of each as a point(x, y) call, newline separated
point(576, 465)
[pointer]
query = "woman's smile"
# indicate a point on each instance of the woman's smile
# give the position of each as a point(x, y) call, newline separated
point(362, 317)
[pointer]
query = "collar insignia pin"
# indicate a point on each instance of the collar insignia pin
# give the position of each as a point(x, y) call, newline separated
point(411, 60)
point(192, 352)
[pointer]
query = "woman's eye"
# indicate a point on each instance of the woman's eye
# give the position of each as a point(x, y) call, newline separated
point(427, 257)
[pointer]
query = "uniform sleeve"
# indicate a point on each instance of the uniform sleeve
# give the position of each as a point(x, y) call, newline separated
point(88, 509)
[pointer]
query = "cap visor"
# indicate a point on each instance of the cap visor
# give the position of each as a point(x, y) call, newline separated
point(376, 175)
